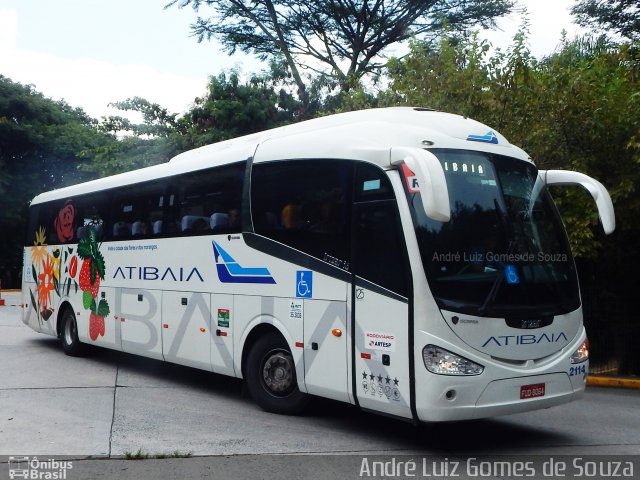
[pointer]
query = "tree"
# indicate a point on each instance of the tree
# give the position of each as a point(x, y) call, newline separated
point(40, 145)
point(343, 39)
point(619, 16)
point(228, 109)
point(577, 109)
point(136, 145)
point(231, 109)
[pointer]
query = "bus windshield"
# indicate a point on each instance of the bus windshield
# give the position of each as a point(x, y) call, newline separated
point(505, 251)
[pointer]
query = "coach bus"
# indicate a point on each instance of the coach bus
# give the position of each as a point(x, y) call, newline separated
point(408, 261)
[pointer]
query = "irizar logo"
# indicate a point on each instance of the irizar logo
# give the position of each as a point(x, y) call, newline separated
point(230, 271)
point(489, 137)
point(527, 339)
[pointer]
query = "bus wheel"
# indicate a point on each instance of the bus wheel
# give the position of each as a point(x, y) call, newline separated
point(271, 376)
point(69, 334)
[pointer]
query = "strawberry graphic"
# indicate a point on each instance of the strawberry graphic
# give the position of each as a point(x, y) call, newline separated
point(91, 272)
point(94, 327)
point(86, 285)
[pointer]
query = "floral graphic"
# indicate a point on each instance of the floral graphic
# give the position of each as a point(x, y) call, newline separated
point(44, 288)
point(91, 272)
point(64, 222)
point(73, 267)
point(55, 270)
point(39, 249)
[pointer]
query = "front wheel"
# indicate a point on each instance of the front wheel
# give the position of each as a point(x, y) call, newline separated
point(271, 376)
point(69, 334)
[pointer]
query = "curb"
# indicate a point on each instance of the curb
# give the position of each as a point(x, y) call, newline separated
point(613, 382)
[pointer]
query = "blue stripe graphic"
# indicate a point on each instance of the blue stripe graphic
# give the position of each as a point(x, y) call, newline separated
point(230, 271)
point(490, 137)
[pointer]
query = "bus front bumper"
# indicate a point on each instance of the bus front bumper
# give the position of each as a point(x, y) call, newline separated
point(454, 399)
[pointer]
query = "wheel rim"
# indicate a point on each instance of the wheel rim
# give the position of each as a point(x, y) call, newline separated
point(69, 331)
point(278, 373)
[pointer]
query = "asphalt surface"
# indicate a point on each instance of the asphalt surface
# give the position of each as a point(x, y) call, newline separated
point(99, 408)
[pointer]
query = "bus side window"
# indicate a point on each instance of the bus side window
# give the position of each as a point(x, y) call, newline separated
point(305, 205)
point(209, 201)
point(135, 210)
point(379, 247)
point(91, 214)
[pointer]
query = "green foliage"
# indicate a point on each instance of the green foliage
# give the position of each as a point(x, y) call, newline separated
point(576, 109)
point(619, 16)
point(40, 145)
point(231, 109)
point(341, 39)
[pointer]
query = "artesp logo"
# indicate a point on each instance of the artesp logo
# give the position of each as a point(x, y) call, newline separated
point(385, 342)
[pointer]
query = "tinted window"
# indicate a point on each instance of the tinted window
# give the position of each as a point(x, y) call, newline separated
point(304, 204)
point(53, 222)
point(371, 183)
point(92, 212)
point(379, 246)
point(207, 202)
point(136, 210)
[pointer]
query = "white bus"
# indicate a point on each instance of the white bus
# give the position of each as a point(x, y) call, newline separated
point(408, 261)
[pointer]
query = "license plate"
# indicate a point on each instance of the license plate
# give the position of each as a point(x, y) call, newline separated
point(532, 391)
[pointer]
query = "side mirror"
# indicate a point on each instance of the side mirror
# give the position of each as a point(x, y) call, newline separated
point(594, 187)
point(431, 182)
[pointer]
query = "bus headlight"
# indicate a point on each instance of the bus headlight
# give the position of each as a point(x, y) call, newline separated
point(443, 362)
point(582, 353)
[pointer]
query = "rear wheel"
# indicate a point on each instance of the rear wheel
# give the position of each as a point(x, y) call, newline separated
point(69, 334)
point(271, 376)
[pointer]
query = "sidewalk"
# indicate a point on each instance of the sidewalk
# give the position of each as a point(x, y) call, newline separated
point(615, 382)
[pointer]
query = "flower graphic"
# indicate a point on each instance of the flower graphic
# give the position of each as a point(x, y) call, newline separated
point(64, 222)
point(73, 266)
point(45, 285)
point(56, 263)
point(39, 249)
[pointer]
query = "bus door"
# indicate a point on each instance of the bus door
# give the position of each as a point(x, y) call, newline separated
point(139, 314)
point(380, 295)
point(186, 330)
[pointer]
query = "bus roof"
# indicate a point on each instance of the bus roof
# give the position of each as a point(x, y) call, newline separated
point(360, 135)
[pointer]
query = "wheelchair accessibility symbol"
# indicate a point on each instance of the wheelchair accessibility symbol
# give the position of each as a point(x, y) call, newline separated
point(511, 275)
point(304, 284)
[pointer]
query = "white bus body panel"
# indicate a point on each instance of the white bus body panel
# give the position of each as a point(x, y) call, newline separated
point(139, 312)
point(186, 328)
point(221, 332)
point(326, 363)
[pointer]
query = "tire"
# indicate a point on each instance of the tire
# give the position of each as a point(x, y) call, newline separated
point(271, 376)
point(69, 334)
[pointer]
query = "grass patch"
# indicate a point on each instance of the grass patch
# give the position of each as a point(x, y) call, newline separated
point(142, 455)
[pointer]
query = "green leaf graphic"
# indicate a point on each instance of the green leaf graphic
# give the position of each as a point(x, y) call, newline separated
point(84, 249)
point(86, 300)
point(103, 308)
point(93, 306)
point(35, 274)
point(33, 301)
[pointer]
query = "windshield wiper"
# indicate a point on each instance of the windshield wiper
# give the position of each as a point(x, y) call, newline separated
point(497, 283)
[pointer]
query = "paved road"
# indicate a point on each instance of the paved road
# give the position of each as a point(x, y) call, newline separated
point(108, 404)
